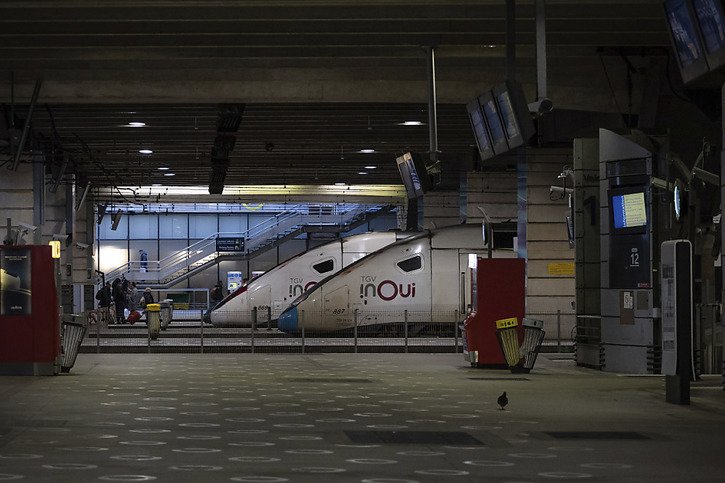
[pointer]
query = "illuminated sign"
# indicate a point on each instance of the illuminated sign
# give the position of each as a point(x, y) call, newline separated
point(54, 248)
point(629, 210)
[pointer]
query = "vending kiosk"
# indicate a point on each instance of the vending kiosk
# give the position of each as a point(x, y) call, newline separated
point(29, 323)
point(498, 291)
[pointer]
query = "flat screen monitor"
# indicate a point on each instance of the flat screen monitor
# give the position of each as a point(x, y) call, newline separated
point(493, 121)
point(628, 210)
point(685, 39)
point(711, 19)
point(414, 174)
point(514, 113)
point(475, 115)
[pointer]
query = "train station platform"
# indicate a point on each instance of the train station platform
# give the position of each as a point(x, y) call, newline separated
point(351, 417)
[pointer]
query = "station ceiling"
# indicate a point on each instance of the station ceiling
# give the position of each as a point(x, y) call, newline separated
point(321, 80)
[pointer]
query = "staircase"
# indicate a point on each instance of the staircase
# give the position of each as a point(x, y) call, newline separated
point(267, 235)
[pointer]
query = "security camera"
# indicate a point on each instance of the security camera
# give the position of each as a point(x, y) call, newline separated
point(560, 190)
point(27, 226)
point(60, 237)
point(82, 246)
point(541, 106)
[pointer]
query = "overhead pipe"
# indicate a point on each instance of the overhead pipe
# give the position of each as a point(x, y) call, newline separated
point(541, 81)
point(511, 39)
point(432, 105)
point(26, 128)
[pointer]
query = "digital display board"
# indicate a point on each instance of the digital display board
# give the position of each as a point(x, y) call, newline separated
point(475, 115)
point(682, 28)
point(414, 174)
point(629, 210)
point(711, 17)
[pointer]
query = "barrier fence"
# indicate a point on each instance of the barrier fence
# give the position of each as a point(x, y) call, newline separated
point(189, 331)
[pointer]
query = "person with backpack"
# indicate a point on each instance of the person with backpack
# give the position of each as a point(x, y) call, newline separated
point(119, 298)
point(104, 303)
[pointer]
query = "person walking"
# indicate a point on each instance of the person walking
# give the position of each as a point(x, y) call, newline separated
point(148, 297)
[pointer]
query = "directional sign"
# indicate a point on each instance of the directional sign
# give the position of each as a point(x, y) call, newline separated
point(230, 244)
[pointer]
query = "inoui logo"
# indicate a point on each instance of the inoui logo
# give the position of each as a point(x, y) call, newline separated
point(297, 286)
point(386, 290)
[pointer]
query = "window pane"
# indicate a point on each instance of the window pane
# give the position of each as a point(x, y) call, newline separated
point(410, 264)
point(324, 267)
point(173, 226)
point(143, 227)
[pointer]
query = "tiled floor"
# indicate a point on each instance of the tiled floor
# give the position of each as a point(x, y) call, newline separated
point(274, 418)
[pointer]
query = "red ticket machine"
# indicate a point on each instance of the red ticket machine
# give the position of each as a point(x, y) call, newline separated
point(498, 291)
point(29, 324)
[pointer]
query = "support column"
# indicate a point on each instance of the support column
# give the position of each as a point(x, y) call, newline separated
point(541, 85)
point(432, 105)
point(511, 39)
point(38, 196)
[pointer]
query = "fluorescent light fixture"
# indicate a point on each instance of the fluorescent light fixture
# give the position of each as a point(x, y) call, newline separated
point(169, 174)
point(156, 184)
point(145, 151)
point(410, 123)
point(163, 168)
point(371, 167)
point(362, 172)
point(366, 151)
point(340, 184)
point(136, 124)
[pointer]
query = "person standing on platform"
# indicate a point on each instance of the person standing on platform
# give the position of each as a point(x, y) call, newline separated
point(104, 303)
point(148, 297)
point(144, 258)
point(217, 294)
point(119, 298)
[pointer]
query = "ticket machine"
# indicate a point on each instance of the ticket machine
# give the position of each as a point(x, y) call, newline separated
point(29, 322)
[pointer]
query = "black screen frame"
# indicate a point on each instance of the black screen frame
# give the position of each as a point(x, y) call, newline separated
point(628, 190)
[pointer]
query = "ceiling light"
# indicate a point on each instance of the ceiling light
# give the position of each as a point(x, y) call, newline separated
point(163, 168)
point(490, 46)
point(367, 151)
point(136, 124)
point(410, 123)
point(169, 174)
point(370, 167)
point(145, 151)
point(340, 184)
point(362, 172)
point(156, 184)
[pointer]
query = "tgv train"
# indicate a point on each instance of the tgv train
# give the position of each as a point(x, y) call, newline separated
point(424, 278)
point(275, 290)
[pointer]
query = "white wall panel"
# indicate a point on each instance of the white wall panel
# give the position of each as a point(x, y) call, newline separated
point(202, 226)
point(173, 226)
point(143, 227)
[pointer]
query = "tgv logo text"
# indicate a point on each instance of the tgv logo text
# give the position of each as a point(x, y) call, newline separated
point(386, 290)
point(297, 286)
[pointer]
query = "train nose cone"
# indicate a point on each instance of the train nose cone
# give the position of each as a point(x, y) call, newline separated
point(287, 321)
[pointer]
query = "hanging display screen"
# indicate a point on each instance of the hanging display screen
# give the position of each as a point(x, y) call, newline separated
point(629, 210)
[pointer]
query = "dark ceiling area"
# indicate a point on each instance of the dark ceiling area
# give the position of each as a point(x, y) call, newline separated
point(315, 78)
point(275, 144)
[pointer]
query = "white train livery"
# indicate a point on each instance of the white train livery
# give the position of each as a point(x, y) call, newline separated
point(274, 291)
point(424, 278)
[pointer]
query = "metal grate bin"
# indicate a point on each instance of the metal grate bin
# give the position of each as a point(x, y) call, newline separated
point(533, 337)
point(72, 333)
point(508, 339)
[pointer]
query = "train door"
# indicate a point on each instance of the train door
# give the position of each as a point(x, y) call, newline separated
point(261, 298)
point(446, 281)
point(336, 305)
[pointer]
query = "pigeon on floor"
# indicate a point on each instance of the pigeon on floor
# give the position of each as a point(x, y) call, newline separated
point(502, 400)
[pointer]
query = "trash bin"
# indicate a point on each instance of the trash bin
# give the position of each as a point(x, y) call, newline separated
point(533, 337)
point(153, 320)
point(167, 312)
point(72, 332)
point(508, 339)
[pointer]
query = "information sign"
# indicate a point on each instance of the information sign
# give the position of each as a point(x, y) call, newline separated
point(230, 244)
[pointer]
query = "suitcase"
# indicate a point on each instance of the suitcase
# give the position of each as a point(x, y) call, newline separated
point(134, 317)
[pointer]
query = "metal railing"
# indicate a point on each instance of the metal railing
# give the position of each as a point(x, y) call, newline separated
point(256, 238)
